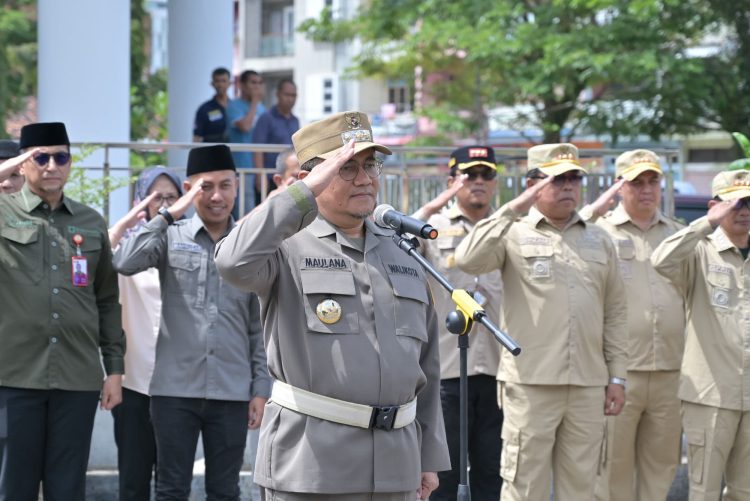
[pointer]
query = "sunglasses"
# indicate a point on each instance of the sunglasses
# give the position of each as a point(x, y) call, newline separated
point(486, 174)
point(560, 180)
point(61, 158)
point(371, 166)
point(741, 203)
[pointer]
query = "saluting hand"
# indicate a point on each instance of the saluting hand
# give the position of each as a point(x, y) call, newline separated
point(321, 176)
point(523, 202)
point(718, 211)
point(607, 199)
point(178, 209)
point(13, 164)
point(133, 217)
point(445, 196)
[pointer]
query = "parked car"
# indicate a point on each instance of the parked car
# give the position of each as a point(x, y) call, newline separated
point(688, 208)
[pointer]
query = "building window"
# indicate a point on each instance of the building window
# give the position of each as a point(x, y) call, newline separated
point(399, 94)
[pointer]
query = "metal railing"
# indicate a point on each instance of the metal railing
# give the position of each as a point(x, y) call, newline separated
point(412, 176)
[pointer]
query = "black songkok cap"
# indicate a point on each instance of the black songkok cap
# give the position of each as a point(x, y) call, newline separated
point(8, 149)
point(44, 134)
point(209, 159)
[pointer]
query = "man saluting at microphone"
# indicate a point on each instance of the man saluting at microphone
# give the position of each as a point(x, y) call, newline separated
point(352, 342)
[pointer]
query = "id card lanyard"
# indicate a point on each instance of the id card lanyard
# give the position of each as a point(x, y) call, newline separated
point(79, 265)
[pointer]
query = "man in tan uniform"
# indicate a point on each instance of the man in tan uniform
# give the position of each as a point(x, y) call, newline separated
point(475, 169)
point(563, 303)
point(707, 262)
point(644, 440)
point(350, 330)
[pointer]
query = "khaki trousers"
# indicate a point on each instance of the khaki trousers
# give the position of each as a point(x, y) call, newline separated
point(271, 495)
point(643, 442)
point(551, 429)
point(718, 443)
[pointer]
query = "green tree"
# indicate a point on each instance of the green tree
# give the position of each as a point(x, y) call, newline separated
point(18, 57)
point(725, 86)
point(603, 66)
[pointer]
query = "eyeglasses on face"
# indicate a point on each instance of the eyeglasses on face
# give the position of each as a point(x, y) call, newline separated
point(741, 203)
point(486, 174)
point(371, 166)
point(61, 158)
point(169, 199)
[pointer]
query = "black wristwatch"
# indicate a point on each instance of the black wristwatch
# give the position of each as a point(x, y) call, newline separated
point(163, 212)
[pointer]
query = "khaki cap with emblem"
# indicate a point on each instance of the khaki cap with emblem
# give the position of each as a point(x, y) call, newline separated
point(731, 185)
point(554, 159)
point(325, 137)
point(632, 164)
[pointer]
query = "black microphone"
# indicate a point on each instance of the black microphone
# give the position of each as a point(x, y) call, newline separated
point(388, 217)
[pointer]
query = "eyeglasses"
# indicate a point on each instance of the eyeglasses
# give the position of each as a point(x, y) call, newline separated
point(742, 202)
point(486, 174)
point(160, 199)
point(560, 180)
point(61, 158)
point(371, 166)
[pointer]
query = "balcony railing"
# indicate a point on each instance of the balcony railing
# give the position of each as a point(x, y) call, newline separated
point(276, 44)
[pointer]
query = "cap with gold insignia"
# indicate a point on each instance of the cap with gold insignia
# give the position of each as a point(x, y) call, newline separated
point(325, 137)
point(632, 164)
point(469, 156)
point(731, 185)
point(554, 159)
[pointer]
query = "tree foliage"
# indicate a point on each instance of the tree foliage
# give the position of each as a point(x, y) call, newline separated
point(603, 66)
point(725, 84)
point(18, 57)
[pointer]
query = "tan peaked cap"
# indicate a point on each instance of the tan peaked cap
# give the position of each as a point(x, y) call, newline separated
point(731, 185)
point(325, 137)
point(554, 159)
point(631, 164)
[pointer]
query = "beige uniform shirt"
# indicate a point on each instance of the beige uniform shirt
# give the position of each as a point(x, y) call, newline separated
point(382, 351)
point(483, 355)
point(656, 323)
point(710, 273)
point(564, 300)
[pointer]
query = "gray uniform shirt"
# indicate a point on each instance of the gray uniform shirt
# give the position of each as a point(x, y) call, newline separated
point(210, 343)
point(382, 351)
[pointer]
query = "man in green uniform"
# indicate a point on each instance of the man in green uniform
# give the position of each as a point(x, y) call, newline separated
point(56, 328)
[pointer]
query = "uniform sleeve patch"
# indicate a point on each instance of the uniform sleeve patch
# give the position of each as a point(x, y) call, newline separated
point(299, 197)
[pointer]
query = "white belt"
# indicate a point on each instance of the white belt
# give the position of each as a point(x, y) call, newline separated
point(341, 411)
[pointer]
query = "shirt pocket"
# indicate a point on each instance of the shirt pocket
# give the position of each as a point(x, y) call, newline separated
point(539, 262)
point(625, 258)
point(721, 292)
point(22, 255)
point(338, 286)
point(410, 313)
point(185, 267)
point(91, 249)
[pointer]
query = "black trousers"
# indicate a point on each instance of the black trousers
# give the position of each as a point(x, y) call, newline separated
point(484, 425)
point(136, 446)
point(45, 436)
point(177, 424)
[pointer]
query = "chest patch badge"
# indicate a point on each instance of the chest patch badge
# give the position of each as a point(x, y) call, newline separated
point(541, 268)
point(328, 311)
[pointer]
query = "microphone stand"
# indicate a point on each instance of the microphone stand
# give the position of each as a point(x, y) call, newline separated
point(460, 321)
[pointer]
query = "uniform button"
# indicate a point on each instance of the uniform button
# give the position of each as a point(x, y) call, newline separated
point(54, 267)
point(55, 291)
point(210, 352)
point(55, 316)
point(52, 220)
point(54, 244)
point(53, 340)
point(45, 206)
